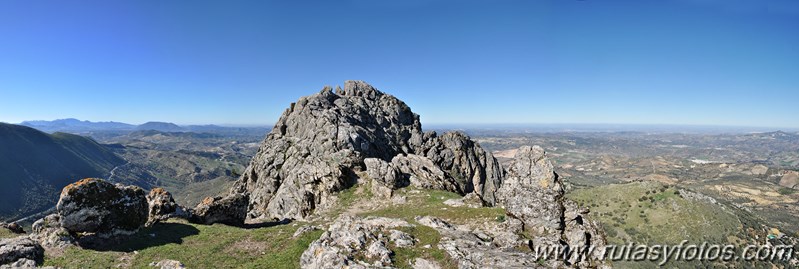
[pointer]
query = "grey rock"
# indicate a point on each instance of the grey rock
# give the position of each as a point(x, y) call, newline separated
point(423, 173)
point(473, 169)
point(96, 206)
point(21, 263)
point(531, 192)
point(401, 239)
point(20, 251)
point(230, 210)
point(161, 206)
point(385, 177)
point(304, 229)
point(49, 233)
point(420, 263)
point(316, 145)
point(351, 237)
point(168, 264)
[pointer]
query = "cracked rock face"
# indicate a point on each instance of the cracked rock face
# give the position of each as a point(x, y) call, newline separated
point(353, 242)
point(322, 140)
point(96, 206)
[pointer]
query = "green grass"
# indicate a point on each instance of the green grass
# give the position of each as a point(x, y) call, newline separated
point(5, 233)
point(649, 212)
point(404, 257)
point(786, 191)
point(197, 246)
point(431, 203)
point(428, 203)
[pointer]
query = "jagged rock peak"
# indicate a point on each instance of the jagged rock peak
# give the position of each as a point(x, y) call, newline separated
point(321, 141)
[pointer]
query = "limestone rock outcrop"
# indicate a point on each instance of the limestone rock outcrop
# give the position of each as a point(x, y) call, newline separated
point(533, 194)
point(321, 142)
point(96, 206)
point(353, 242)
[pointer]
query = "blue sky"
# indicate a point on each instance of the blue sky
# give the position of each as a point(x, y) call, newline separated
point(730, 62)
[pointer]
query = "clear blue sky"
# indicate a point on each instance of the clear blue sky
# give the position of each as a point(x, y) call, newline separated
point(724, 62)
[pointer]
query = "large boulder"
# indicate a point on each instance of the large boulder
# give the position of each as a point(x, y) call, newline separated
point(96, 206)
point(230, 210)
point(320, 143)
point(20, 252)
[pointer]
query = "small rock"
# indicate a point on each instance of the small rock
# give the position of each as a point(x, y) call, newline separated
point(420, 263)
point(168, 264)
point(401, 239)
point(304, 229)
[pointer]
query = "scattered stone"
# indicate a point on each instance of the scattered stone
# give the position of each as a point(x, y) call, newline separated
point(401, 239)
point(161, 206)
point(230, 210)
point(420, 263)
point(304, 229)
point(168, 264)
point(96, 206)
point(471, 200)
point(20, 252)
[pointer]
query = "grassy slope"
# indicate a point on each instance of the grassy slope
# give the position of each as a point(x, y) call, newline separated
point(629, 214)
point(197, 246)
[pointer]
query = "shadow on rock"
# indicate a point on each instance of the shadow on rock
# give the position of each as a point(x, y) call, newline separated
point(157, 235)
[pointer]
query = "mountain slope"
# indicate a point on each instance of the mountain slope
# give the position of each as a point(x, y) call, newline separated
point(34, 166)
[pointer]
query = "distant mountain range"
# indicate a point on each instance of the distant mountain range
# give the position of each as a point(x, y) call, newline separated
point(79, 126)
point(35, 166)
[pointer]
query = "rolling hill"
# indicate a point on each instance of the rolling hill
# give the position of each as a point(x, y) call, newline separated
point(34, 166)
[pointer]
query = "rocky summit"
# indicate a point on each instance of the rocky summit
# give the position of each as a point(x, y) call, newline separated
point(320, 144)
point(333, 140)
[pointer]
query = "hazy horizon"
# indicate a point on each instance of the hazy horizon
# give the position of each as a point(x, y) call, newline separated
point(682, 62)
